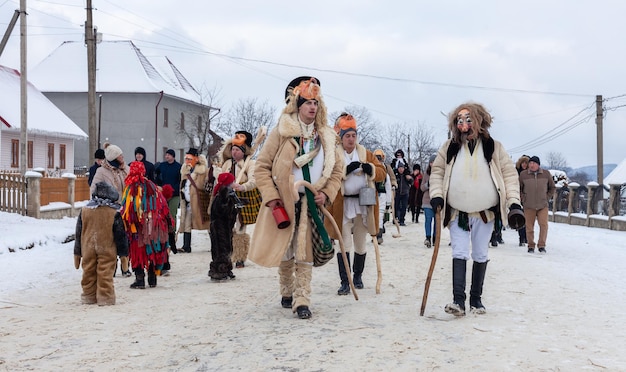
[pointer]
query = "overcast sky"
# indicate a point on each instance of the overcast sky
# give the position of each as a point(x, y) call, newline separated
point(537, 65)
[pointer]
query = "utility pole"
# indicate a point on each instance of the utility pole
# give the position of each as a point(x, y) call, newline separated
point(12, 23)
point(90, 41)
point(23, 91)
point(599, 145)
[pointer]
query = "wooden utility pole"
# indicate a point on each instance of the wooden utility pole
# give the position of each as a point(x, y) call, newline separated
point(90, 41)
point(23, 91)
point(599, 146)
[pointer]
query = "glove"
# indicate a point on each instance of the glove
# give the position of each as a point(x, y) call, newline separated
point(353, 166)
point(77, 261)
point(515, 206)
point(367, 168)
point(436, 203)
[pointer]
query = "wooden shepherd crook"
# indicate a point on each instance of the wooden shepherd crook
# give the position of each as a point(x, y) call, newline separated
point(393, 214)
point(327, 214)
point(433, 259)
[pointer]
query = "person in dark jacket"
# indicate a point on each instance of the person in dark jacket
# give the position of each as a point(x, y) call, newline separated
point(99, 155)
point(140, 155)
point(537, 187)
point(521, 165)
point(168, 173)
point(404, 179)
point(415, 193)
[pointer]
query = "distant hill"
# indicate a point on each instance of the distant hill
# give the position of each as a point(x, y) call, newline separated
point(592, 170)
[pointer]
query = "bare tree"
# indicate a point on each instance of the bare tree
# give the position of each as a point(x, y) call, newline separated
point(581, 178)
point(422, 145)
point(198, 132)
point(249, 115)
point(555, 160)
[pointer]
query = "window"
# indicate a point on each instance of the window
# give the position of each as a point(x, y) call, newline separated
point(62, 156)
point(51, 155)
point(165, 117)
point(182, 121)
point(15, 153)
point(30, 154)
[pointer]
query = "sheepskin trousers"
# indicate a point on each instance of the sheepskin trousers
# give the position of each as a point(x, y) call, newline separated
point(295, 280)
point(98, 268)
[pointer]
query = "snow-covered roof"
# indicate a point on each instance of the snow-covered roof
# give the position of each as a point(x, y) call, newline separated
point(43, 116)
point(120, 67)
point(618, 175)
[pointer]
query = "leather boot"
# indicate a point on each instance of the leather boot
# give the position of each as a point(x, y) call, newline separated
point(286, 278)
point(457, 308)
point(358, 266)
point(186, 243)
point(494, 240)
point(343, 275)
point(152, 279)
point(124, 266)
point(379, 236)
point(140, 282)
point(476, 290)
point(172, 240)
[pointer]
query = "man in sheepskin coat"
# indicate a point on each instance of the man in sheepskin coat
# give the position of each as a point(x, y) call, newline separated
point(473, 181)
point(356, 222)
point(301, 145)
point(194, 199)
point(100, 238)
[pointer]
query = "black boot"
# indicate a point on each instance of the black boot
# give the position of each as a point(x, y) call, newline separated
point(499, 237)
point(172, 240)
point(379, 236)
point(358, 266)
point(457, 308)
point(494, 240)
point(345, 286)
point(476, 290)
point(152, 279)
point(139, 283)
point(186, 243)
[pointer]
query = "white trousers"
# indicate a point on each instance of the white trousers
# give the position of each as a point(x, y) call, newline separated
point(354, 234)
point(479, 236)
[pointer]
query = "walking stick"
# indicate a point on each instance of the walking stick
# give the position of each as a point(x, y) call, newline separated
point(393, 214)
point(327, 214)
point(433, 259)
point(371, 219)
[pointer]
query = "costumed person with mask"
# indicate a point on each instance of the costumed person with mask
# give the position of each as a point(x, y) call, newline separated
point(236, 159)
point(99, 218)
point(473, 181)
point(225, 206)
point(300, 147)
point(399, 160)
point(356, 222)
point(385, 194)
point(113, 171)
point(194, 197)
point(147, 221)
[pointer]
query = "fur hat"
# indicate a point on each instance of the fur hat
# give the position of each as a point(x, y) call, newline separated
point(345, 123)
point(379, 152)
point(535, 159)
point(171, 152)
point(104, 190)
point(192, 152)
point(99, 154)
point(243, 140)
point(303, 88)
point(111, 152)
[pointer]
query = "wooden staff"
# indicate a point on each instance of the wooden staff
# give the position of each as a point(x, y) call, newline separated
point(378, 268)
point(433, 259)
point(327, 214)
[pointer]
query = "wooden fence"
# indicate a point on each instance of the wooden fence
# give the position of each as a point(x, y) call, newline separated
point(13, 193)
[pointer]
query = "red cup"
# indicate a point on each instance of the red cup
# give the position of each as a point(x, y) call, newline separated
point(281, 217)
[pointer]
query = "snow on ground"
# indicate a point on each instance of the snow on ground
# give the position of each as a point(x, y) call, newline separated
point(558, 311)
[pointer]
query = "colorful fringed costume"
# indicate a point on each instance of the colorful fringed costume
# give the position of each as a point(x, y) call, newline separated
point(147, 220)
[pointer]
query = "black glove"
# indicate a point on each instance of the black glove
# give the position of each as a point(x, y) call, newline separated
point(436, 203)
point(367, 168)
point(353, 166)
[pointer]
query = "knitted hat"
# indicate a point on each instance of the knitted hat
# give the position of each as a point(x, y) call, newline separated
point(417, 167)
point(171, 152)
point(535, 159)
point(111, 152)
point(224, 179)
point(140, 150)
point(345, 123)
point(99, 154)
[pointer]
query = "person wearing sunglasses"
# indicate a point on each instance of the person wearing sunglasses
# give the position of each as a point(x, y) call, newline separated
point(473, 182)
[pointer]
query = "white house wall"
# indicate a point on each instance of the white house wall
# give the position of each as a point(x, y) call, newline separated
point(40, 151)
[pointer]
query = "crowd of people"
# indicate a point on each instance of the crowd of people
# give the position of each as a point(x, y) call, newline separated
point(309, 187)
